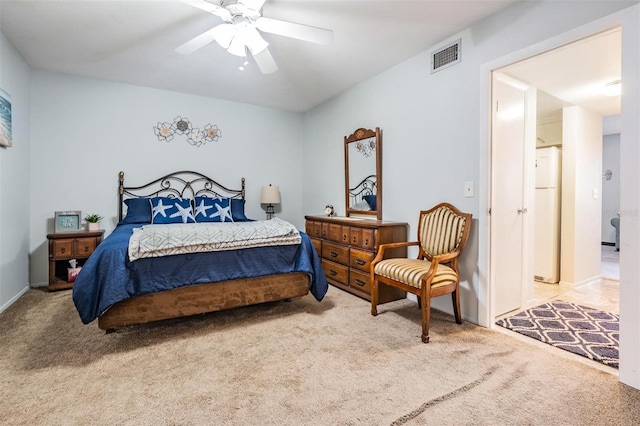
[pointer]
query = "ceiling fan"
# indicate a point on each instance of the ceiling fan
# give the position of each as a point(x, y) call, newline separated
point(240, 32)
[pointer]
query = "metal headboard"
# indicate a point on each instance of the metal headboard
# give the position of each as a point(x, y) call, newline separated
point(183, 184)
point(366, 187)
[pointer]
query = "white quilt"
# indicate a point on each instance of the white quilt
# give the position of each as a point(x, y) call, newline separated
point(179, 238)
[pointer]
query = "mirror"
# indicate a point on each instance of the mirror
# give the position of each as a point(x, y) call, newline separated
point(363, 173)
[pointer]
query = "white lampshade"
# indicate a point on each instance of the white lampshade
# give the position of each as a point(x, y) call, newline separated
point(270, 195)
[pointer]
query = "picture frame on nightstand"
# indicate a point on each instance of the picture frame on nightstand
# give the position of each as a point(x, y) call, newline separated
point(67, 221)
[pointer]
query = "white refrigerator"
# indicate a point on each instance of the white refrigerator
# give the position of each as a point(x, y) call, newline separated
point(547, 215)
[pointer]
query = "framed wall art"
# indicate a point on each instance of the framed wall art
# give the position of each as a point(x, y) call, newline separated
point(5, 119)
point(67, 221)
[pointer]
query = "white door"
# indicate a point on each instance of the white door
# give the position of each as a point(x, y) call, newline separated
point(508, 203)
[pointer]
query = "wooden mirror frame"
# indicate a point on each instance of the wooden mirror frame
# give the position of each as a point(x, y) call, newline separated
point(356, 136)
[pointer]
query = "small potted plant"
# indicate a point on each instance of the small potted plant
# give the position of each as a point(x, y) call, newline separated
point(93, 221)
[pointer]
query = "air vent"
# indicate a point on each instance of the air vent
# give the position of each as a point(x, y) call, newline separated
point(447, 56)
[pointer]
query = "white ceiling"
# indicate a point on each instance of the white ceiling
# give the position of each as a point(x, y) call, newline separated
point(133, 42)
point(575, 74)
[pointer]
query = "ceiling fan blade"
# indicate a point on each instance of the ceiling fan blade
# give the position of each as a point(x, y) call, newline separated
point(210, 7)
point(265, 62)
point(293, 30)
point(198, 41)
point(252, 4)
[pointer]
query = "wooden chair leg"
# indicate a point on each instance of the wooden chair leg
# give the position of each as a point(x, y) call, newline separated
point(374, 297)
point(426, 317)
point(455, 296)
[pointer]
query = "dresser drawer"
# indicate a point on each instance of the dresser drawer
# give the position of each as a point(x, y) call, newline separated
point(335, 253)
point(335, 271)
point(313, 229)
point(332, 232)
point(361, 259)
point(360, 280)
point(363, 238)
point(368, 239)
point(317, 244)
point(62, 249)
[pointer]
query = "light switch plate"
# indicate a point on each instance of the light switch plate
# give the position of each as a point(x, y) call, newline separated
point(468, 189)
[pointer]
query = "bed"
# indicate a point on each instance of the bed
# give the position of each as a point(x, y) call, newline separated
point(120, 287)
point(363, 195)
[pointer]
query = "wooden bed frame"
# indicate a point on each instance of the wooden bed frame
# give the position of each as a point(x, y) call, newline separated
point(199, 298)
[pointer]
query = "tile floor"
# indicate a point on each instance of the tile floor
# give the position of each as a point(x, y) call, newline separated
point(603, 295)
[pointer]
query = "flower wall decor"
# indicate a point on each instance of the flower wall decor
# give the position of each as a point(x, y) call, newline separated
point(165, 131)
point(366, 147)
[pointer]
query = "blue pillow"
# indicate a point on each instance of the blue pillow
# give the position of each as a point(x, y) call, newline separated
point(138, 211)
point(371, 200)
point(237, 210)
point(171, 210)
point(209, 209)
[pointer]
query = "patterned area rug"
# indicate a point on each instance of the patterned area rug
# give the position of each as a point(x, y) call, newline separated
point(584, 331)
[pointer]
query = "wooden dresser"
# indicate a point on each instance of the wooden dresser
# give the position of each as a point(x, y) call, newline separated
point(64, 246)
point(348, 245)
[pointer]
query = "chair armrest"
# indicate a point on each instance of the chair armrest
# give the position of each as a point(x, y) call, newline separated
point(444, 258)
point(389, 246)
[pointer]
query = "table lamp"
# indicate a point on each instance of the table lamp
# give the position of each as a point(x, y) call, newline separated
point(270, 196)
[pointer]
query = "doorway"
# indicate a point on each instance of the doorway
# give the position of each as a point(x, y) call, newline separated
point(570, 75)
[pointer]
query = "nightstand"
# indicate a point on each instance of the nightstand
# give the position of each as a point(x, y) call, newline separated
point(64, 246)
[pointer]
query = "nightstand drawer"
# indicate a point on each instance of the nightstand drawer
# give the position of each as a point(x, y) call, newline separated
point(62, 249)
point(335, 272)
point(85, 246)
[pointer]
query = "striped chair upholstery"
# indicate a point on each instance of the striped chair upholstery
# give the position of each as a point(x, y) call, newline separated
point(413, 271)
point(442, 233)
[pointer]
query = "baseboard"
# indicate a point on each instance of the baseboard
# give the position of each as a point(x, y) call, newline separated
point(13, 299)
point(588, 281)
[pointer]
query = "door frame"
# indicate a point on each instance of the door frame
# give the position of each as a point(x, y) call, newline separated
point(485, 296)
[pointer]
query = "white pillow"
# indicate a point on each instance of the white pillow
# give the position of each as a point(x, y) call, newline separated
point(362, 206)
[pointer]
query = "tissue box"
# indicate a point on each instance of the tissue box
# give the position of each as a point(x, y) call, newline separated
point(72, 273)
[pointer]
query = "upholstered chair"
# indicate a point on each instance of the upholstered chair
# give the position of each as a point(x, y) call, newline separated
point(442, 234)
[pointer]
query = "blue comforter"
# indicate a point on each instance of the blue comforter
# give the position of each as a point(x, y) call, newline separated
point(108, 276)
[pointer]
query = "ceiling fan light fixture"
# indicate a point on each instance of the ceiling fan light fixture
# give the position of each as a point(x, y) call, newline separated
point(255, 42)
point(238, 46)
point(224, 34)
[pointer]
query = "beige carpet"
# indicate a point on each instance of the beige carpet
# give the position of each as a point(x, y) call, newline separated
point(290, 363)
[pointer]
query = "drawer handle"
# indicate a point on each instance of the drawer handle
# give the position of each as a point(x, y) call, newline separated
point(63, 249)
point(333, 254)
point(354, 239)
point(86, 249)
point(366, 241)
point(360, 261)
point(332, 272)
point(344, 238)
point(360, 282)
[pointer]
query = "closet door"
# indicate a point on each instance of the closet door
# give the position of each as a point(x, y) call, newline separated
point(508, 194)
